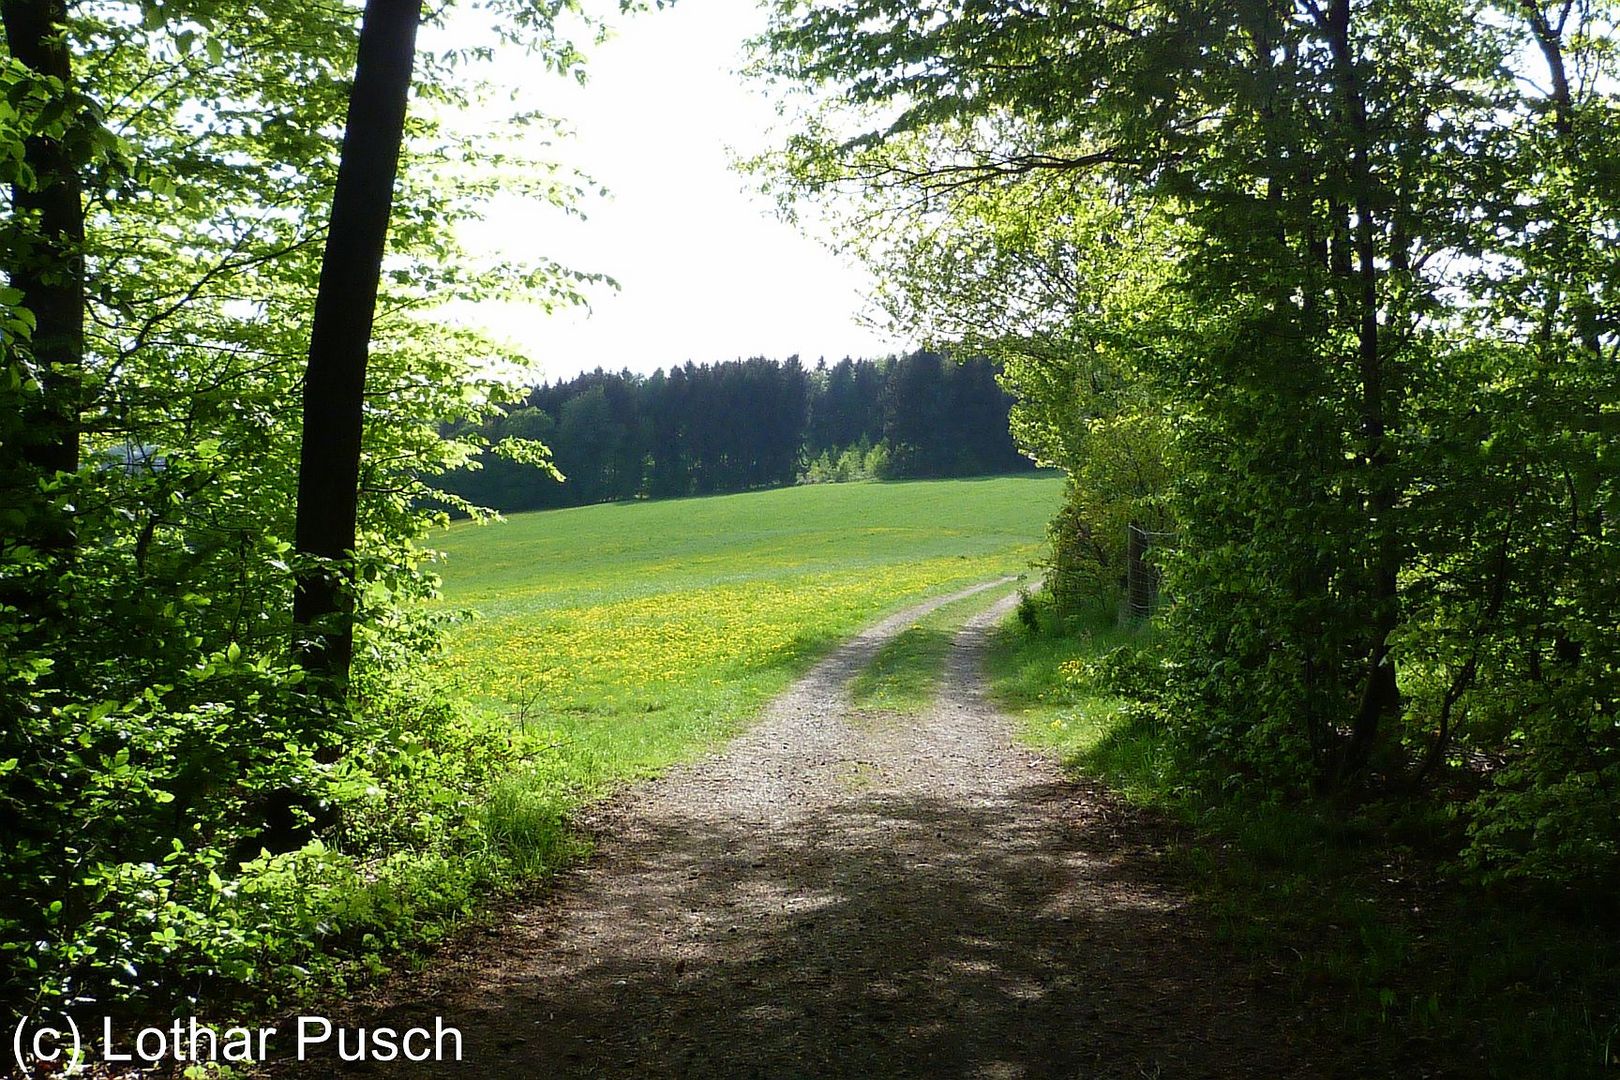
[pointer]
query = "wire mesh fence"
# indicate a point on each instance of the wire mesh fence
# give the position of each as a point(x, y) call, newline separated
point(1142, 570)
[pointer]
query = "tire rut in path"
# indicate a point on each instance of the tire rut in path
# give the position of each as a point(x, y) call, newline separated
point(858, 895)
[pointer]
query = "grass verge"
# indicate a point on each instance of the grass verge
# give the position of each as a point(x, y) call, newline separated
point(1350, 911)
point(903, 678)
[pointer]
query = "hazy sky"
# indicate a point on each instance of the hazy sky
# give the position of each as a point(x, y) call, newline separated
point(706, 272)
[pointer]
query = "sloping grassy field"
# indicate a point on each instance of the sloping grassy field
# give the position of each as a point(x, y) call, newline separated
point(633, 635)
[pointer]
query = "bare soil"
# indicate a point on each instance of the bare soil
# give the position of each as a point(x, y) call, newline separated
point(850, 894)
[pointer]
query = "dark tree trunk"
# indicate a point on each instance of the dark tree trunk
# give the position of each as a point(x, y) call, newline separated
point(1549, 39)
point(48, 266)
point(1381, 696)
point(345, 304)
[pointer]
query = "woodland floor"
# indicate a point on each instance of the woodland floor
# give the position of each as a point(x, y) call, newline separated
point(842, 893)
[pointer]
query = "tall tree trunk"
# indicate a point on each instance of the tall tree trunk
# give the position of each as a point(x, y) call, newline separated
point(1549, 39)
point(48, 268)
point(345, 304)
point(1380, 695)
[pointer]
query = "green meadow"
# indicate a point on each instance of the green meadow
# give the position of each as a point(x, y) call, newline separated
point(625, 637)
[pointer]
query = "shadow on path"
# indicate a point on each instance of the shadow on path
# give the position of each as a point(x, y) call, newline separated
point(897, 898)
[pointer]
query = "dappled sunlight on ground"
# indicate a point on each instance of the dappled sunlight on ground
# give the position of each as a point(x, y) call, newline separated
point(968, 913)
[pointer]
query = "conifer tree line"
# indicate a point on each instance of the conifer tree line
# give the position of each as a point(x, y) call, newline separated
point(701, 429)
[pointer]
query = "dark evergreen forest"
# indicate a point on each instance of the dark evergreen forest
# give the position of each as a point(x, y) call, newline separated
point(702, 429)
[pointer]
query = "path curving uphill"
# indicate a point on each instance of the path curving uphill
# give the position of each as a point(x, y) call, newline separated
point(849, 894)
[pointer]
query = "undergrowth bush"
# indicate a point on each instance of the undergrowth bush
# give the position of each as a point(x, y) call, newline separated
point(858, 462)
point(157, 883)
point(1380, 906)
point(1134, 671)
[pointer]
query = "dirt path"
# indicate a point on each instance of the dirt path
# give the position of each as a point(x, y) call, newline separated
point(845, 894)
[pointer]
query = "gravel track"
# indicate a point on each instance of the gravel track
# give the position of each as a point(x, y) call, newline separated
point(857, 894)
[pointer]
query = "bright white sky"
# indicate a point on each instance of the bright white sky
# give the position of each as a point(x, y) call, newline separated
point(706, 271)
